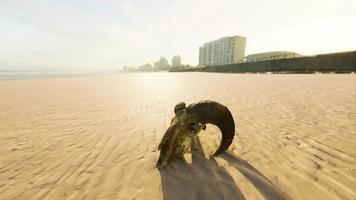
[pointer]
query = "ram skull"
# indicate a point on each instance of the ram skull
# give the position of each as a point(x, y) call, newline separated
point(188, 122)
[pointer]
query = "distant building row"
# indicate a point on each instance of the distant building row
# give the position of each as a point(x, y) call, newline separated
point(230, 50)
point(162, 64)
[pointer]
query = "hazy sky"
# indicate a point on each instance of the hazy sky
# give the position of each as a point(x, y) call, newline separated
point(103, 34)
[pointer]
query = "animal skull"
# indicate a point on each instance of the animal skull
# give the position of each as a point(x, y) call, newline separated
point(188, 122)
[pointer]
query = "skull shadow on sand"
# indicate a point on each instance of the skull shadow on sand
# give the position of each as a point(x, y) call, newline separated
point(205, 179)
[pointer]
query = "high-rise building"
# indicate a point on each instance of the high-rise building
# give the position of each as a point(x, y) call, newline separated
point(176, 61)
point(161, 64)
point(226, 50)
point(146, 67)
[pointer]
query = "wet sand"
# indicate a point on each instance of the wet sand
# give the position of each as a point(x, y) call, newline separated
point(96, 137)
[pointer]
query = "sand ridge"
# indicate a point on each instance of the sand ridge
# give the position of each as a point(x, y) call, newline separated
point(96, 137)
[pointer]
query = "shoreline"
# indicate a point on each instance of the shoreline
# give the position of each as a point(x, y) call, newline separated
point(13, 78)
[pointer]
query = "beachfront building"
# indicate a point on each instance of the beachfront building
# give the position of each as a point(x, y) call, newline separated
point(273, 55)
point(176, 61)
point(146, 67)
point(226, 50)
point(161, 64)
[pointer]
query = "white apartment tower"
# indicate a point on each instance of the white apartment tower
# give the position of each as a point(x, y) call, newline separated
point(226, 50)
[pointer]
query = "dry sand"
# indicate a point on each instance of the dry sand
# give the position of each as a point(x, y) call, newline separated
point(96, 137)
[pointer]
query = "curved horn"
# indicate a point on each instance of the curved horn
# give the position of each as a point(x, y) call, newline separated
point(217, 114)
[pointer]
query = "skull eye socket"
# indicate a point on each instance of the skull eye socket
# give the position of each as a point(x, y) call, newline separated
point(192, 125)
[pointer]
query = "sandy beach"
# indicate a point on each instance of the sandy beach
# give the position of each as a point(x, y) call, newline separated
point(96, 137)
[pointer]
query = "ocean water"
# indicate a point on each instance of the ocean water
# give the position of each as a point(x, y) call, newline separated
point(40, 74)
point(24, 75)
